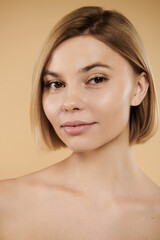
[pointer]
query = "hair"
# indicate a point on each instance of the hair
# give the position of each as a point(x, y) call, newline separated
point(116, 31)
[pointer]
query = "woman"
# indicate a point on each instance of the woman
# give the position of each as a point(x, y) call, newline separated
point(92, 92)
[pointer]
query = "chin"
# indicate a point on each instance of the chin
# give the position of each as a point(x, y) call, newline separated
point(79, 148)
point(83, 147)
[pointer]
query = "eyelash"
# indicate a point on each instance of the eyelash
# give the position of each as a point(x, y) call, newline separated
point(49, 83)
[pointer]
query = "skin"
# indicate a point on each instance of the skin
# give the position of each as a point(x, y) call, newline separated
point(98, 192)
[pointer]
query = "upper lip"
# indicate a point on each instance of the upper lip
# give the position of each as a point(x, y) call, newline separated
point(75, 123)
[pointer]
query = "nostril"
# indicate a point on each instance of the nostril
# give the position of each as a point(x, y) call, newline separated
point(70, 109)
point(70, 106)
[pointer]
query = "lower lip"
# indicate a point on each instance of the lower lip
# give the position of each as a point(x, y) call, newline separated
point(78, 129)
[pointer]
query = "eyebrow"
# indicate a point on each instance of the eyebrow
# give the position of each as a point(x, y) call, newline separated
point(81, 70)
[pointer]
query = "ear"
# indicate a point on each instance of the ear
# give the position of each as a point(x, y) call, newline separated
point(140, 89)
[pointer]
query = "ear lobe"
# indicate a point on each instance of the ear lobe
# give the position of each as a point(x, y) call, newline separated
point(140, 90)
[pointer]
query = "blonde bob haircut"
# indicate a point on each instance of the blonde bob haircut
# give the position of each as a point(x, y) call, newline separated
point(116, 31)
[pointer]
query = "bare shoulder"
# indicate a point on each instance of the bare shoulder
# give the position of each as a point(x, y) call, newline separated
point(155, 213)
point(155, 197)
point(24, 202)
point(156, 204)
point(152, 209)
point(8, 192)
point(7, 189)
point(21, 186)
point(26, 188)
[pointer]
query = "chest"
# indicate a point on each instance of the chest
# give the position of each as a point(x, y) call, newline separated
point(73, 220)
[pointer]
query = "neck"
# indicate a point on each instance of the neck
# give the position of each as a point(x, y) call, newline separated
point(110, 168)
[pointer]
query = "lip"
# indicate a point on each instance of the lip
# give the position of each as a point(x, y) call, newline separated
point(75, 123)
point(77, 127)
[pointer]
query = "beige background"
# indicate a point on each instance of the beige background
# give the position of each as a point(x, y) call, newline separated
point(24, 26)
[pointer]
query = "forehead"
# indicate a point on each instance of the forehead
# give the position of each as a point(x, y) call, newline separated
point(80, 51)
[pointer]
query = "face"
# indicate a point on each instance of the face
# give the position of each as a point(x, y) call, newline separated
point(87, 93)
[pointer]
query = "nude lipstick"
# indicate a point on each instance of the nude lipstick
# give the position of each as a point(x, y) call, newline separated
point(76, 127)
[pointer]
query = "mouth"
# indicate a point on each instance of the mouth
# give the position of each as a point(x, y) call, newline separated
point(76, 123)
point(77, 127)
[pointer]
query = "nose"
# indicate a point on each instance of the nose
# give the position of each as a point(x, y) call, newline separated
point(73, 101)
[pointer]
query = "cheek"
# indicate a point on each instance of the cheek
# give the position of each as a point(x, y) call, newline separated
point(114, 107)
point(50, 109)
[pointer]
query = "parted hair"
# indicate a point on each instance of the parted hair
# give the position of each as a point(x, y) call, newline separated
point(116, 31)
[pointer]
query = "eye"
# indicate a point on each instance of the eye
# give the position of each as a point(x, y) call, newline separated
point(97, 80)
point(53, 84)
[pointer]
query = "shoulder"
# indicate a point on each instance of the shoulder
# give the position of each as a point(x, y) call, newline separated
point(155, 218)
point(8, 192)
point(152, 213)
point(156, 205)
point(13, 191)
point(32, 188)
point(7, 189)
point(19, 196)
point(21, 199)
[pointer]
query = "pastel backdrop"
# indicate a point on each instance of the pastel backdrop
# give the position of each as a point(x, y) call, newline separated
point(24, 26)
